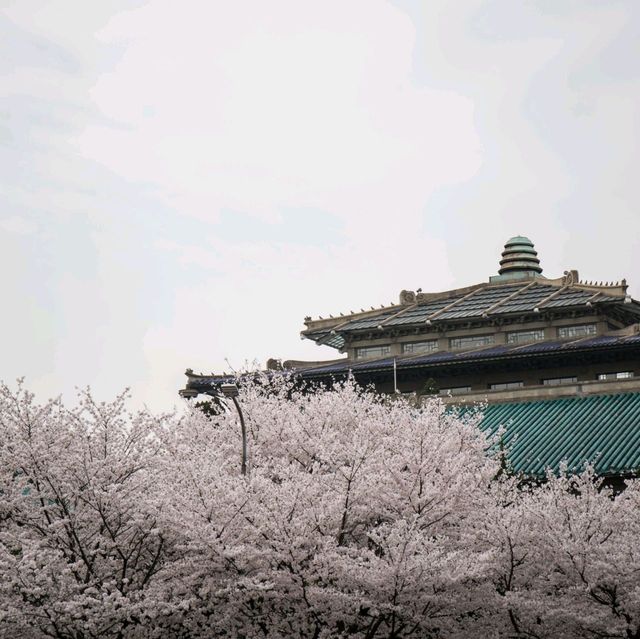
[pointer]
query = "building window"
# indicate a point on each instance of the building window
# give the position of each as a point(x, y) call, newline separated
point(523, 337)
point(456, 390)
point(421, 347)
point(472, 341)
point(581, 330)
point(620, 375)
point(506, 385)
point(369, 352)
point(559, 381)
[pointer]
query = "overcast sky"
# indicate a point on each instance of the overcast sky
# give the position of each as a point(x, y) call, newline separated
point(183, 182)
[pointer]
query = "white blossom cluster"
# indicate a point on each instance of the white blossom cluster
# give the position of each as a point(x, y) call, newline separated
point(358, 517)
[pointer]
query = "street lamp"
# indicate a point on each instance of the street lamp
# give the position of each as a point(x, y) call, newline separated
point(218, 392)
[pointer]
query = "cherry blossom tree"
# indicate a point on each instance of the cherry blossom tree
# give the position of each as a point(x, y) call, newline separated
point(79, 510)
point(359, 516)
point(350, 523)
point(566, 562)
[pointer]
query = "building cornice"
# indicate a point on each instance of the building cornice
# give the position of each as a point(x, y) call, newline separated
point(541, 392)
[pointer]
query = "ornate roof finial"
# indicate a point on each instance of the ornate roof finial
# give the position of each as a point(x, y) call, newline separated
point(520, 258)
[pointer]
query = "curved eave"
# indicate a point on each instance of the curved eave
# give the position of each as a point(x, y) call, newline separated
point(334, 340)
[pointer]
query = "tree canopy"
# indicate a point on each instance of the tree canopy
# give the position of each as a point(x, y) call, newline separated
point(358, 517)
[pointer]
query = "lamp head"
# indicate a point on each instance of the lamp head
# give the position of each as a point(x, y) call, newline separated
point(229, 390)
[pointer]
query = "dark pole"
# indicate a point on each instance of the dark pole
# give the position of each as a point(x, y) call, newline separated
point(219, 392)
point(243, 468)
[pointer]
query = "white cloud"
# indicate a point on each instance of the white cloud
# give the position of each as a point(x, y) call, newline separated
point(282, 105)
point(18, 225)
point(414, 137)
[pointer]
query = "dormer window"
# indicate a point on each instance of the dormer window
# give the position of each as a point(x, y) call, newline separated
point(371, 352)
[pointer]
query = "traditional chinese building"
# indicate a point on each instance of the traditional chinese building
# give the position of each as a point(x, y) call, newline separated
point(556, 360)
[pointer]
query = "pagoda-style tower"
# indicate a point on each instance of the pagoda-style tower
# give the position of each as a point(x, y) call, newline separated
point(519, 259)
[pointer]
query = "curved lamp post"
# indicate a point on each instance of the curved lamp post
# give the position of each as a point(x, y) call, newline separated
point(226, 391)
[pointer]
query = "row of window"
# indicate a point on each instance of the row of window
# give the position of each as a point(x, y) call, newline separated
point(477, 341)
point(472, 341)
point(506, 385)
point(523, 337)
point(564, 332)
point(582, 330)
point(369, 352)
point(456, 390)
point(551, 381)
point(559, 381)
point(421, 347)
point(620, 375)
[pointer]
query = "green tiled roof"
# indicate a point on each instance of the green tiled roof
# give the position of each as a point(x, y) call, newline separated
point(603, 429)
point(483, 303)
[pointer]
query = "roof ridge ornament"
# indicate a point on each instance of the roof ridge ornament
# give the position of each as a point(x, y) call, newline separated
point(570, 278)
point(616, 289)
point(407, 297)
point(519, 256)
point(519, 261)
